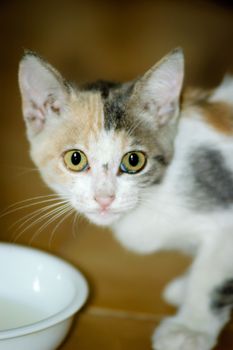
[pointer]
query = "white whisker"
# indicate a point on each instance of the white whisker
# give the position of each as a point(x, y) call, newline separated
point(35, 198)
point(29, 205)
point(74, 223)
point(34, 214)
point(135, 126)
point(43, 217)
point(26, 171)
point(53, 218)
point(58, 224)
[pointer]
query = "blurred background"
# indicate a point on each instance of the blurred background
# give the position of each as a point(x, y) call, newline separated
point(114, 40)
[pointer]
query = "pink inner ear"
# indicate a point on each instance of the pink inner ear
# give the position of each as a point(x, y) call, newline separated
point(35, 115)
point(36, 124)
point(56, 108)
point(52, 104)
point(37, 109)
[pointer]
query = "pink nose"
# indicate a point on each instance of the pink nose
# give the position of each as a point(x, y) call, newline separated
point(104, 201)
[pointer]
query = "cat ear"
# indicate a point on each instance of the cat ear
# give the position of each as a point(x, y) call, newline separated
point(43, 90)
point(158, 91)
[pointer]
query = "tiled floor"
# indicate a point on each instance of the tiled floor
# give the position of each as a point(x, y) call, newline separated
point(121, 333)
point(114, 40)
point(125, 303)
point(113, 332)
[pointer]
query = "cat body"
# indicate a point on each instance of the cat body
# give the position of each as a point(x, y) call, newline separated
point(193, 203)
point(153, 163)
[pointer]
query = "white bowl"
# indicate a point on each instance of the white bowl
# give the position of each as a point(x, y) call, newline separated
point(39, 295)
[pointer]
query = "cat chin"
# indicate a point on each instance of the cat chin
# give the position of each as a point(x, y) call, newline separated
point(102, 220)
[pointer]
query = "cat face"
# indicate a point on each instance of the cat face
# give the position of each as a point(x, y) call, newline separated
point(103, 145)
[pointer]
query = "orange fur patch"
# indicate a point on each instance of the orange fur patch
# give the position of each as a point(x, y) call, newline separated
point(194, 96)
point(84, 119)
point(87, 109)
point(217, 114)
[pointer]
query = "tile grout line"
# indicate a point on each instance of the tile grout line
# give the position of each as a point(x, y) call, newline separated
point(131, 315)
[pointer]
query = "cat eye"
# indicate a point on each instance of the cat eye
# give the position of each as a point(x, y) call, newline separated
point(133, 162)
point(75, 160)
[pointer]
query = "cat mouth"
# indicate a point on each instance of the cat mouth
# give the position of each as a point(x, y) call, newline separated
point(103, 211)
point(102, 217)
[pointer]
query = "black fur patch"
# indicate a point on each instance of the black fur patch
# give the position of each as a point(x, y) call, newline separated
point(103, 86)
point(115, 97)
point(213, 181)
point(117, 116)
point(115, 108)
point(223, 296)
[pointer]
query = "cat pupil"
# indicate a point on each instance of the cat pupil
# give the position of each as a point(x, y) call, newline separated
point(133, 159)
point(76, 158)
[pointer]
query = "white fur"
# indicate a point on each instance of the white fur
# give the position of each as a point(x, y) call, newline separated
point(161, 219)
point(225, 91)
point(156, 218)
point(167, 223)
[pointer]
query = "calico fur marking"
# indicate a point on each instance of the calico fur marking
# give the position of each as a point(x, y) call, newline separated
point(213, 181)
point(115, 109)
point(106, 121)
point(103, 86)
point(114, 98)
point(215, 106)
point(117, 117)
point(223, 296)
point(219, 115)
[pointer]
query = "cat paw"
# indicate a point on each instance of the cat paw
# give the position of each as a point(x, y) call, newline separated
point(174, 292)
point(171, 335)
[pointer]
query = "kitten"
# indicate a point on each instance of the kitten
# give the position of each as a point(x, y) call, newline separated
point(155, 164)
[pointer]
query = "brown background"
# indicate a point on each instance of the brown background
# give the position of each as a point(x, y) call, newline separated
point(115, 40)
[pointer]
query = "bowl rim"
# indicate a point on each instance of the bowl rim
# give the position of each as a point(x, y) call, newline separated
point(68, 311)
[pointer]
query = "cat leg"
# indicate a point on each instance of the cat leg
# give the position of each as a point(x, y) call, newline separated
point(174, 292)
point(206, 307)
